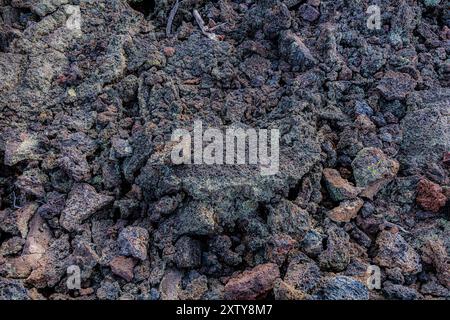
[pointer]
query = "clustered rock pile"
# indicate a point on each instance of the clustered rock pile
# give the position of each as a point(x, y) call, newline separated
point(86, 179)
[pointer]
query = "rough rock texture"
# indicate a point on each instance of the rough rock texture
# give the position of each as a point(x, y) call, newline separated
point(343, 288)
point(16, 222)
point(394, 251)
point(372, 170)
point(336, 256)
point(12, 290)
point(133, 241)
point(123, 267)
point(339, 188)
point(436, 255)
point(346, 211)
point(91, 92)
point(188, 253)
point(396, 85)
point(430, 195)
point(82, 203)
point(253, 283)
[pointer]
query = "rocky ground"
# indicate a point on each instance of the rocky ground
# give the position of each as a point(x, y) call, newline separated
point(86, 179)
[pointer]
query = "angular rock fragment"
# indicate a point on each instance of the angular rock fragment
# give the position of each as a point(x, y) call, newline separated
point(288, 218)
point(252, 284)
point(196, 287)
point(21, 146)
point(82, 203)
point(308, 12)
point(9, 70)
point(196, 219)
point(123, 267)
point(32, 182)
point(108, 290)
point(78, 141)
point(426, 133)
point(339, 188)
point(121, 147)
point(16, 222)
point(222, 247)
point(302, 275)
point(53, 264)
point(396, 85)
point(53, 207)
point(346, 210)
point(433, 288)
point(166, 205)
point(12, 290)
point(16, 267)
point(277, 248)
point(336, 257)
point(42, 8)
point(133, 241)
point(284, 291)
point(75, 165)
point(38, 238)
point(364, 123)
point(372, 170)
point(277, 18)
point(312, 243)
point(343, 288)
point(12, 246)
point(170, 286)
point(84, 254)
point(434, 252)
point(188, 253)
point(295, 51)
point(394, 251)
point(127, 207)
point(399, 292)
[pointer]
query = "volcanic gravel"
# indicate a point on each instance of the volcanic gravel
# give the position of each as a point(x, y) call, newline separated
point(86, 181)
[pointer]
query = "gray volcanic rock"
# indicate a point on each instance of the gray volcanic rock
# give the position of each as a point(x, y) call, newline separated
point(133, 241)
point(252, 284)
point(396, 85)
point(426, 134)
point(343, 288)
point(82, 203)
point(339, 188)
point(295, 51)
point(12, 290)
point(92, 92)
point(394, 251)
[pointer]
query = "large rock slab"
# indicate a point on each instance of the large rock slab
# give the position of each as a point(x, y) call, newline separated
point(426, 133)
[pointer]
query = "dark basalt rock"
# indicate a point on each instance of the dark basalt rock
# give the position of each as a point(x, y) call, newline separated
point(86, 177)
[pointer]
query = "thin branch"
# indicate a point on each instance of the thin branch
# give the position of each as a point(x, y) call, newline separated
point(172, 14)
point(15, 201)
point(202, 26)
point(394, 225)
point(199, 20)
point(218, 26)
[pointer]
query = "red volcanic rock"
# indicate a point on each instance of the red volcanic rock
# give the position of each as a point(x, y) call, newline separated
point(169, 51)
point(430, 196)
point(123, 267)
point(252, 284)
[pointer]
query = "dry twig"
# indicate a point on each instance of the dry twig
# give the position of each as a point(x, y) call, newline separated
point(172, 14)
point(15, 201)
point(394, 225)
point(205, 29)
